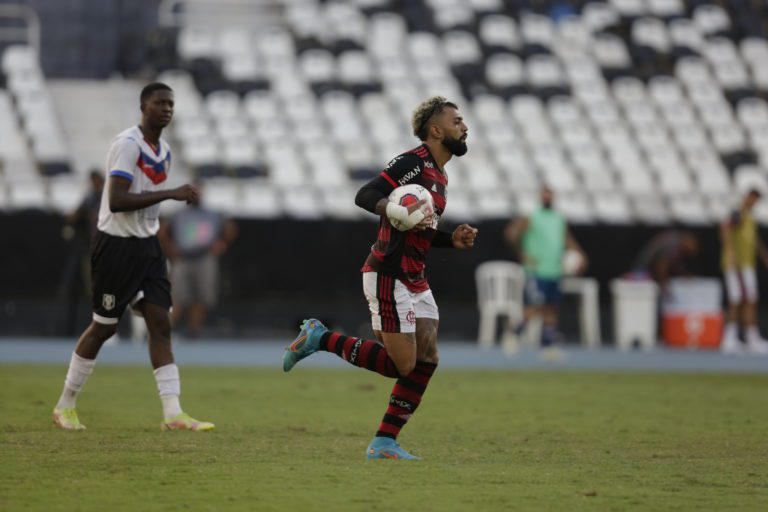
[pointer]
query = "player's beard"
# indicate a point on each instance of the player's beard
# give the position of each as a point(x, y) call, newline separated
point(457, 147)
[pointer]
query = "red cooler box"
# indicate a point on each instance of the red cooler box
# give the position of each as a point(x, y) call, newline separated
point(691, 315)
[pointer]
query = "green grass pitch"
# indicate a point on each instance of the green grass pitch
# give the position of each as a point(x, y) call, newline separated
point(490, 441)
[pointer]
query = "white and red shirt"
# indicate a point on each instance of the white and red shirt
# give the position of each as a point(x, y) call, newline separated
point(146, 167)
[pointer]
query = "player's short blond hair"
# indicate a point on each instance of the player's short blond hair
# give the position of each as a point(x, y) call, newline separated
point(426, 111)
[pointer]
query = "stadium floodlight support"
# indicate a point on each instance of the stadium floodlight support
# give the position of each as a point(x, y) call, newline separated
point(220, 13)
point(29, 34)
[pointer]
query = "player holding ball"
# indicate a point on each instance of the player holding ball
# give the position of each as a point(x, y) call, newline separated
point(403, 310)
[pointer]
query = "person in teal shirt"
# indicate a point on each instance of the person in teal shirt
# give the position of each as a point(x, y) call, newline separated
point(542, 240)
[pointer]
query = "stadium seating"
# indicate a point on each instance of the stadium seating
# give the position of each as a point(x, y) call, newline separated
point(650, 111)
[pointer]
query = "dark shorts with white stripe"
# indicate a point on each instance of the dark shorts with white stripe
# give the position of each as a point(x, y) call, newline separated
point(125, 271)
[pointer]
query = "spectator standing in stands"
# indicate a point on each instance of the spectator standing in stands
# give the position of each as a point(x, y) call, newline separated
point(541, 241)
point(80, 226)
point(669, 254)
point(740, 248)
point(194, 239)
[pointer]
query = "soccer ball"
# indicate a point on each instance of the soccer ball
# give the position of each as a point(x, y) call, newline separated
point(408, 195)
point(572, 261)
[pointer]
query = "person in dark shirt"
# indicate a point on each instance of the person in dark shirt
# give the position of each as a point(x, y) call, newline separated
point(79, 228)
point(403, 310)
point(194, 239)
point(669, 254)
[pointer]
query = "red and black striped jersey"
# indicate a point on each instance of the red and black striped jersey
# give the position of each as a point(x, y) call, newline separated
point(403, 254)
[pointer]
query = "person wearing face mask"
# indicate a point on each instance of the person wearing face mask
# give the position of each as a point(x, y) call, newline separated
point(541, 240)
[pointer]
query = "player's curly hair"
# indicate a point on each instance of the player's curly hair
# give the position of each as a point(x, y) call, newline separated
point(426, 111)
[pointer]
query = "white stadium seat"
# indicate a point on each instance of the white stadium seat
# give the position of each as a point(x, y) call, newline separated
point(611, 103)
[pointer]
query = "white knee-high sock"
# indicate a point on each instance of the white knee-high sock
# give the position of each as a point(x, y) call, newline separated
point(169, 388)
point(79, 370)
point(731, 331)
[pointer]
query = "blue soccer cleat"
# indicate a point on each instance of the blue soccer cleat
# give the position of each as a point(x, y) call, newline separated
point(387, 448)
point(305, 344)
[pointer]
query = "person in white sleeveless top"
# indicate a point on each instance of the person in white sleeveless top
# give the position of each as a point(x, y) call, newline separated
point(128, 267)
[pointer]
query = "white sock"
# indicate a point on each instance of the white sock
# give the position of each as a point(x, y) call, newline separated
point(753, 334)
point(169, 388)
point(79, 370)
point(730, 332)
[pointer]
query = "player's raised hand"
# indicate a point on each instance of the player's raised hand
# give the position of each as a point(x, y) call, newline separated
point(186, 193)
point(464, 237)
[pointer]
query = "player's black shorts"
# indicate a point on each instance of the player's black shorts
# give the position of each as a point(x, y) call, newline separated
point(124, 271)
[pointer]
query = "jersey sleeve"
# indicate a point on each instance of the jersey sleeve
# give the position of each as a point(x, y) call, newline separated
point(402, 170)
point(122, 158)
point(399, 172)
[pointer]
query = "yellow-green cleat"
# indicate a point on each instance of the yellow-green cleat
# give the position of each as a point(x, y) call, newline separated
point(66, 419)
point(184, 421)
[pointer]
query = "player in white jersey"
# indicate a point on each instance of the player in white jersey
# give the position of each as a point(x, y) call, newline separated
point(127, 264)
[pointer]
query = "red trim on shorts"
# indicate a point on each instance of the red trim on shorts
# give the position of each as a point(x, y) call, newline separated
point(385, 288)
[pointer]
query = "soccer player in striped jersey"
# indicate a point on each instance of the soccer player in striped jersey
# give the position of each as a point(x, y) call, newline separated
point(403, 310)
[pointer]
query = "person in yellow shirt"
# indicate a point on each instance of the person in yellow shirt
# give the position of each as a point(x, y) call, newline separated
point(740, 248)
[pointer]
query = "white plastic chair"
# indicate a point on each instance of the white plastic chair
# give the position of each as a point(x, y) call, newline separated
point(749, 177)
point(711, 19)
point(354, 67)
point(499, 30)
point(611, 52)
point(689, 209)
point(222, 195)
point(461, 47)
point(197, 42)
point(589, 310)
point(453, 15)
point(537, 29)
point(685, 34)
point(598, 16)
point(543, 71)
point(462, 208)
point(666, 8)
point(504, 70)
point(318, 65)
point(651, 32)
point(612, 209)
point(500, 289)
point(259, 200)
point(576, 208)
point(651, 209)
point(223, 105)
point(629, 8)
